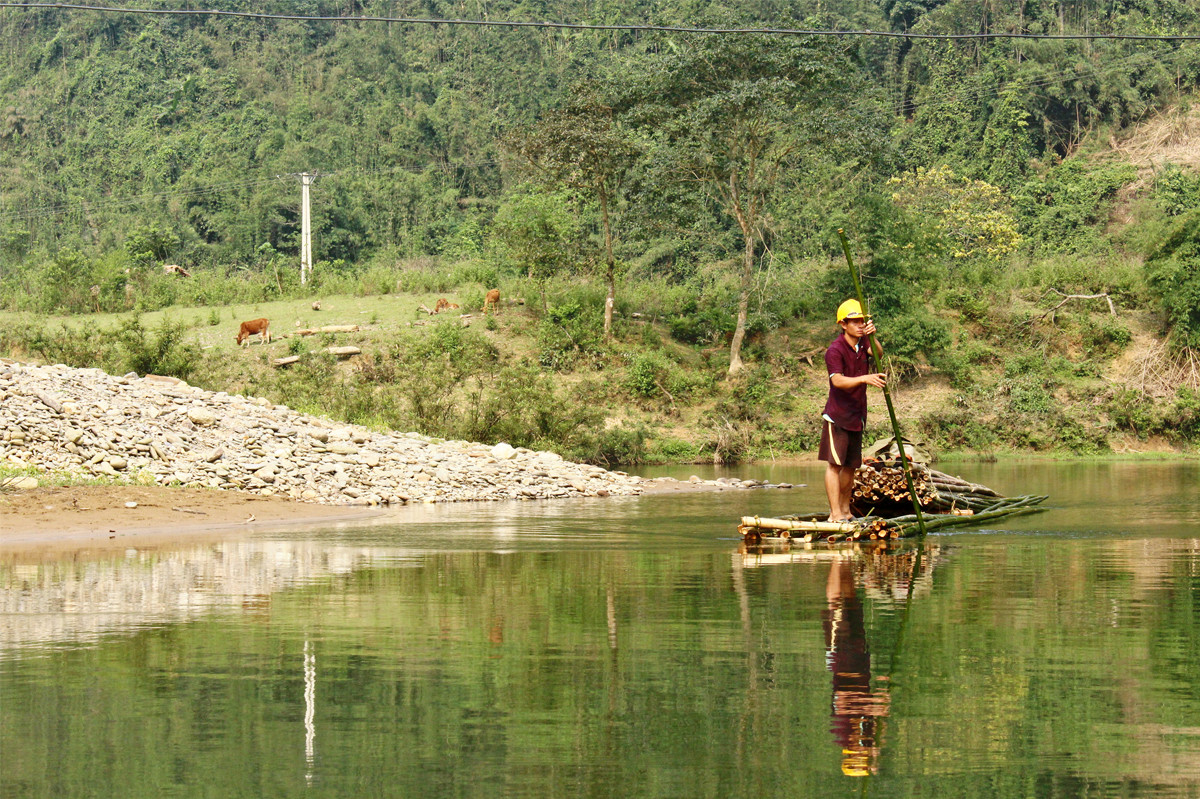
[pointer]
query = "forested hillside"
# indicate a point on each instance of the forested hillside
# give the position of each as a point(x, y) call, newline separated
point(697, 179)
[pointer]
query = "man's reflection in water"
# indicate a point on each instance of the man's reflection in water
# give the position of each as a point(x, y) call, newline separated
point(856, 710)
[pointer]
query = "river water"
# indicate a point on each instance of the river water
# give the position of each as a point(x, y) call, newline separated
point(624, 648)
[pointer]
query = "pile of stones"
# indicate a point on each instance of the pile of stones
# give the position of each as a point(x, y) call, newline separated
point(162, 431)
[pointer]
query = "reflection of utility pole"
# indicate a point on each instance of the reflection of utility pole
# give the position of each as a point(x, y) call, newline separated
point(310, 707)
point(306, 180)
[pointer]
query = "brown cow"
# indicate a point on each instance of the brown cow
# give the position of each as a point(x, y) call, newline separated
point(255, 327)
point(492, 299)
point(444, 304)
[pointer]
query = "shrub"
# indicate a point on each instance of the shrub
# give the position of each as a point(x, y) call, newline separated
point(78, 347)
point(567, 332)
point(1185, 422)
point(1176, 191)
point(972, 305)
point(701, 326)
point(1132, 412)
point(673, 450)
point(646, 373)
point(614, 446)
point(959, 429)
point(1065, 209)
point(1173, 271)
point(911, 336)
point(161, 352)
point(1078, 438)
point(475, 271)
point(1105, 336)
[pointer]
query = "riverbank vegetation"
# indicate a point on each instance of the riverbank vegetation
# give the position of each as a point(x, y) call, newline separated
point(1009, 376)
point(658, 210)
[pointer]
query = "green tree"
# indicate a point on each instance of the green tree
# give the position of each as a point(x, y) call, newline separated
point(150, 243)
point(946, 123)
point(733, 115)
point(583, 148)
point(538, 231)
point(1006, 146)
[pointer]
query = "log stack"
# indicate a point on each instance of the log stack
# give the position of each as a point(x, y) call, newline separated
point(881, 490)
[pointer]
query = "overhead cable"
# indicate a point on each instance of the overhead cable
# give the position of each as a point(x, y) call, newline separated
point(547, 24)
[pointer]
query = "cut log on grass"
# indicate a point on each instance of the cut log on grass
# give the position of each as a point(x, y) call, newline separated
point(288, 361)
point(343, 352)
point(313, 331)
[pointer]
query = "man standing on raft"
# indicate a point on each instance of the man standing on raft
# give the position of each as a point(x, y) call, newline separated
point(848, 361)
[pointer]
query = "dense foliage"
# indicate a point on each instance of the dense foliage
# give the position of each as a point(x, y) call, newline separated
point(695, 178)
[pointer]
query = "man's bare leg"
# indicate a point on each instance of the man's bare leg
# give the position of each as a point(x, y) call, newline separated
point(839, 483)
point(845, 489)
point(833, 490)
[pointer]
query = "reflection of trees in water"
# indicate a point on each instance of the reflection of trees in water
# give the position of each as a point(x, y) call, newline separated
point(78, 601)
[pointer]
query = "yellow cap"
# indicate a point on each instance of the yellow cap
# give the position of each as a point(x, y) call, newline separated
point(856, 763)
point(850, 309)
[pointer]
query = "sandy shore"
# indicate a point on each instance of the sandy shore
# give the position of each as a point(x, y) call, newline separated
point(95, 514)
point(87, 514)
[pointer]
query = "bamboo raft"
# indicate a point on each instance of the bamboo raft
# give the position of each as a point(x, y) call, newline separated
point(884, 508)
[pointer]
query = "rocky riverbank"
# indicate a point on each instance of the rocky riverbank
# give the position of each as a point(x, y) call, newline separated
point(161, 431)
point(158, 431)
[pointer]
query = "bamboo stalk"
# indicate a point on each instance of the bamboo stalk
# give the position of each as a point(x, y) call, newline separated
point(1025, 504)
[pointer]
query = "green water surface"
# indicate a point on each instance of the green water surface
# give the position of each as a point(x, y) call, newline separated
point(623, 647)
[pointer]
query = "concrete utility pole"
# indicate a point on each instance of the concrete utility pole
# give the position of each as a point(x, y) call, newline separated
point(306, 180)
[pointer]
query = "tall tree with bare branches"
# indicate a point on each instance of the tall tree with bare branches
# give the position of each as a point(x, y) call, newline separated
point(735, 115)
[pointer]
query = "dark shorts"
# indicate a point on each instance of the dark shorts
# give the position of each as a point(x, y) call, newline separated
point(839, 446)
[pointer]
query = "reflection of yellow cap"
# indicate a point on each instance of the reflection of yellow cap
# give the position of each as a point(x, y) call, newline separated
point(856, 763)
point(850, 309)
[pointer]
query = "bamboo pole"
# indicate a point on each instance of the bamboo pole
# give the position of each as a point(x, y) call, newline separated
point(761, 523)
point(887, 395)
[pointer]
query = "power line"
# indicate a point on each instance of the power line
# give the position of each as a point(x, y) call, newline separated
point(547, 24)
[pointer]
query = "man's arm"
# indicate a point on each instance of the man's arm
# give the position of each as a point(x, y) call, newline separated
point(846, 383)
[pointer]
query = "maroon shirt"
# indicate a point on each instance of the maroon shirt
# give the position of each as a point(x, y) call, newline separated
point(847, 409)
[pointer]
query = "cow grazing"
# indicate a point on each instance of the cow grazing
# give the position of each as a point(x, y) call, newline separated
point(492, 299)
point(255, 327)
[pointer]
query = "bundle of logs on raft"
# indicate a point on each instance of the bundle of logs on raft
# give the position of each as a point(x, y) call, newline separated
point(881, 490)
point(884, 509)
